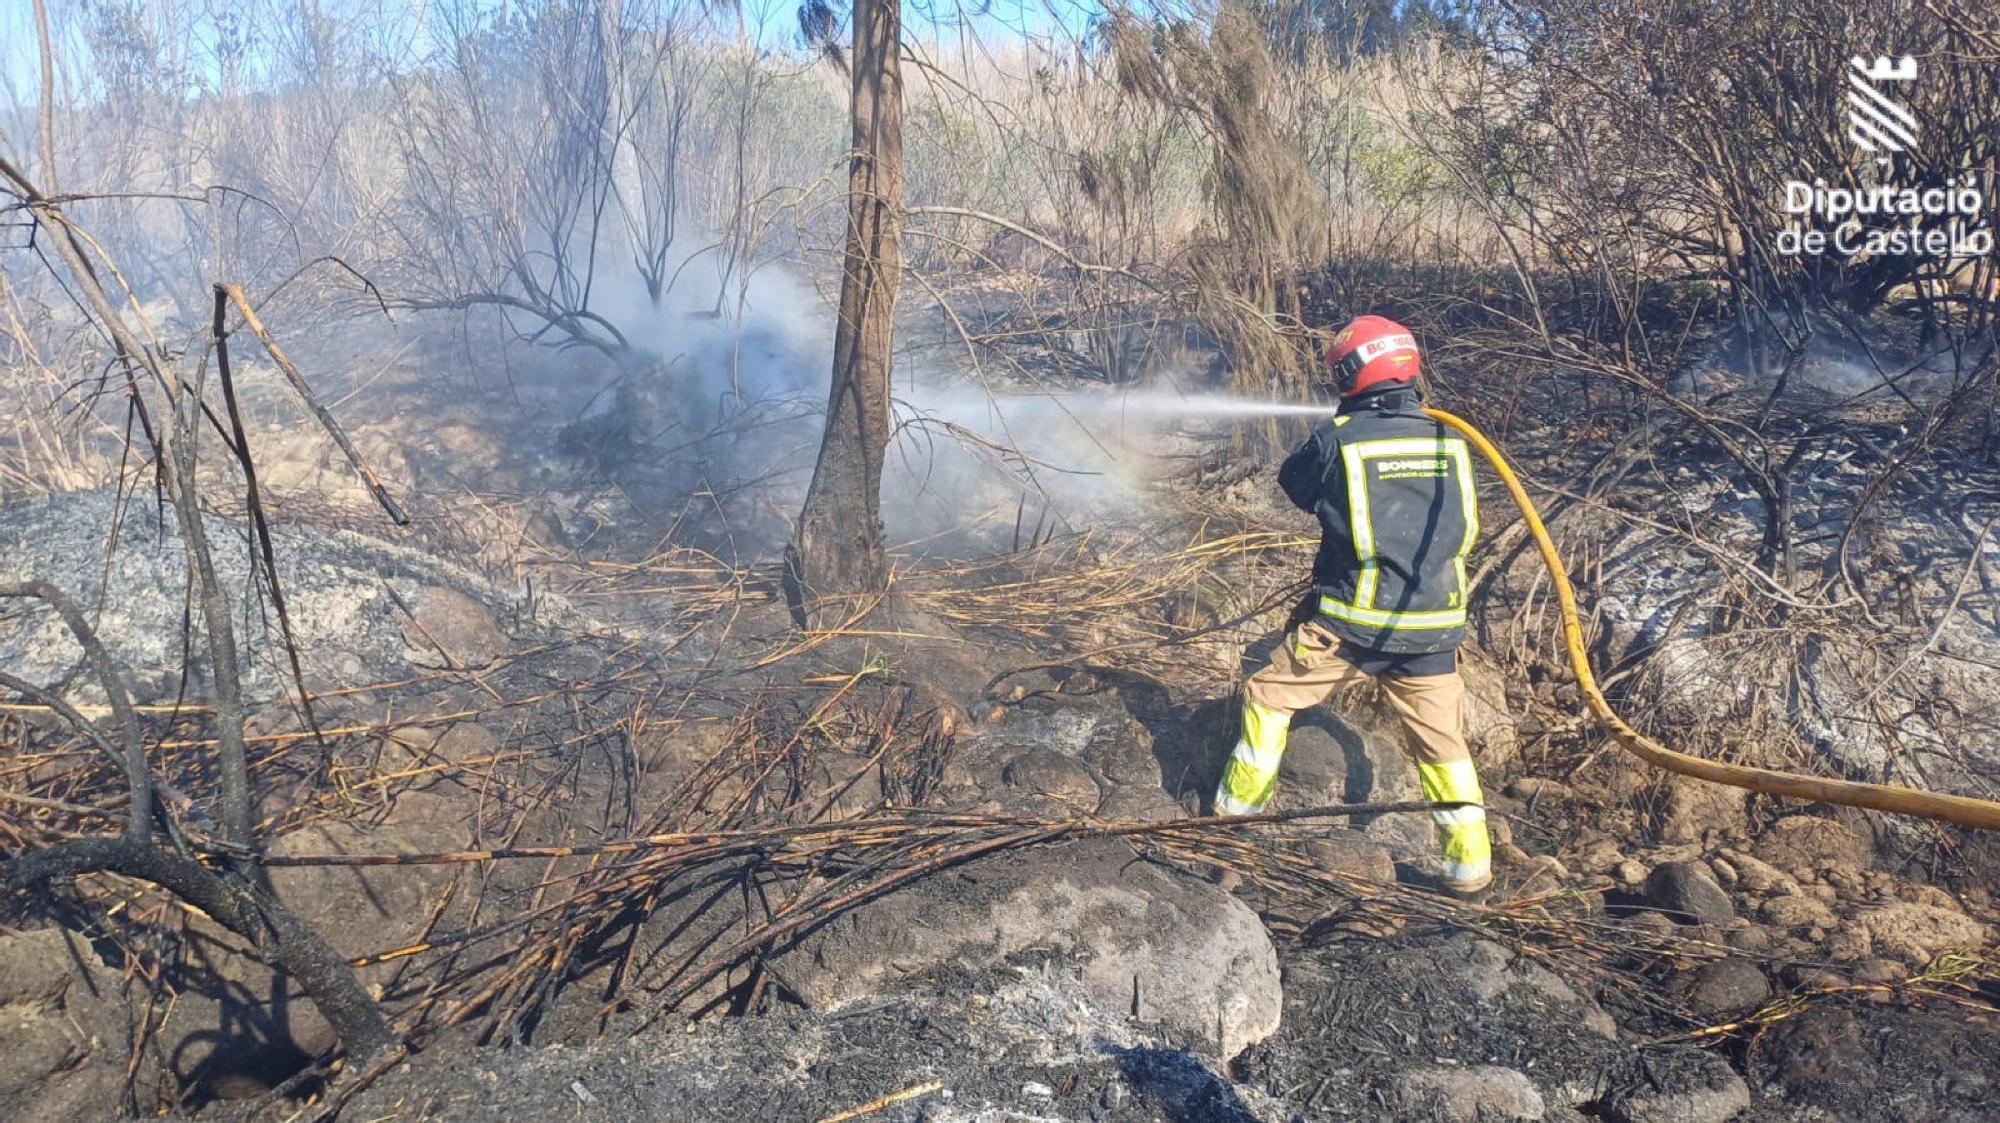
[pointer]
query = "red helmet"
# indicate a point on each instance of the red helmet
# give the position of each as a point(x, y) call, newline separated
point(1370, 351)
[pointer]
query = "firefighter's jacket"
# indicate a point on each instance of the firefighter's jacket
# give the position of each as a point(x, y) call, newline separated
point(1397, 514)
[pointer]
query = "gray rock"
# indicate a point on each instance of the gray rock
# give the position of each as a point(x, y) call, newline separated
point(805, 1065)
point(1795, 912)
point(40, 1041)
point(1882, 1064)
point(63, 1029)
point(1489, 722)
point(1646, 920)
point(1697, 811)
point(1122, 750)
point(1728, 986)
point(1917, 934)
point(1676, 1086)
point(1048, 775)
point(1347, 758)
point(1688, 893)
point(1350, 755)
point(1750, 937)
point(1351, 852)
point(1468, 1095)
point(1539, 789)
point(449, 623)
point(1136, 936)
point(1138, 802)
point(853, 781)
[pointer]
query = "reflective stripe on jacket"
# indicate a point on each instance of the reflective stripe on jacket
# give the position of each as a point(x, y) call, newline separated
point(1398, 513)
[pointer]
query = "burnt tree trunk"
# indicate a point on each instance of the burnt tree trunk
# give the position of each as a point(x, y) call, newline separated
point(837, 552)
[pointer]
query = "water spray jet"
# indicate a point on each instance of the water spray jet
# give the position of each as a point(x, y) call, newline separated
point(1168, 405)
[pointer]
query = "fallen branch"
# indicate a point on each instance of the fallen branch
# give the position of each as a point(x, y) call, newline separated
point(138, 823)
point(291, 945)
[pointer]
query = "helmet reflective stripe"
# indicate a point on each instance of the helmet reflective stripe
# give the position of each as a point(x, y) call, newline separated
point(1361, 610)
point(1376, 348)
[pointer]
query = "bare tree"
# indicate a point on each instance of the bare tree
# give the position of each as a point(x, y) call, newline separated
point(838, 549)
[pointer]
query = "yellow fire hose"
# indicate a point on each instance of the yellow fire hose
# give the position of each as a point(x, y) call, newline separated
point(1964, 811)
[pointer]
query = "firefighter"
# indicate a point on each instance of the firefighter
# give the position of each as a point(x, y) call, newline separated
point(1397, 512)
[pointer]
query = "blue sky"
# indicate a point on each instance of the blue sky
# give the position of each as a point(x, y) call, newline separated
point(773, 22)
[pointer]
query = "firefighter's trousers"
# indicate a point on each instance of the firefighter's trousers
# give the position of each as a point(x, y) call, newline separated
point(1302, 672)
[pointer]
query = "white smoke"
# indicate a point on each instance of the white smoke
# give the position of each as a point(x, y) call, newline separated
point(973, 465)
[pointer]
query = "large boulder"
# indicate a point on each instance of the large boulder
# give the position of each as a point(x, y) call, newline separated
point(1350, 852)
point(1692, 810)
point(1383, 1027)
point(1354, 749)
point(1794, 912)
point(1355, 755)
point(1495, 975)
point(1490, 726)
point(1329, 760)
point(1121, 749)
point(242, 1026)
point(1044, 780)
point(1025, 1051)
point(1142, 941)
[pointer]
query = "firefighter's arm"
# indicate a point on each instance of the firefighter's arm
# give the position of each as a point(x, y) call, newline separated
point(1304, 472)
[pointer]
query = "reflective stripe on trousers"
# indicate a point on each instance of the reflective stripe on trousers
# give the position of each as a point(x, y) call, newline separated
point(1468, 852)
point(1252, 772)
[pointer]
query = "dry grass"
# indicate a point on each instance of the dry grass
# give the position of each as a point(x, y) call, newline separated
point(54, 436)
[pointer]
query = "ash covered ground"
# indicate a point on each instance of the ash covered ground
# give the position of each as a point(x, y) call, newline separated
point(593, 646)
